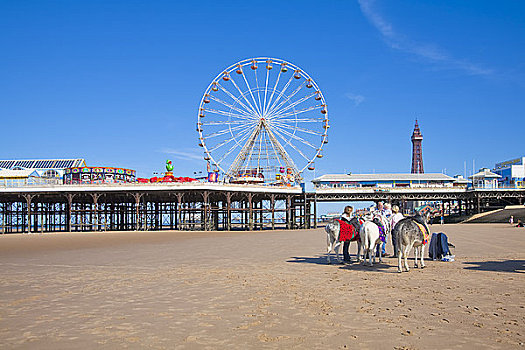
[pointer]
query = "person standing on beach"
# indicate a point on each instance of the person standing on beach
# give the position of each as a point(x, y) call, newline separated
point(511, 220)
point(394, 219)
point(383, 210)
point(388, 210)
point(347, 215)
point(387, 213)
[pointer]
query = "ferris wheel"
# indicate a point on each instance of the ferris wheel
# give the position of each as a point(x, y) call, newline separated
point(262, 120)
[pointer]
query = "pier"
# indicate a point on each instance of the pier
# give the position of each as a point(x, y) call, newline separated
point(192, 206)
point(206, 206)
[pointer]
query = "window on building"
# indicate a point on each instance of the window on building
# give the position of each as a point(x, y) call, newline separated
point(51, 174)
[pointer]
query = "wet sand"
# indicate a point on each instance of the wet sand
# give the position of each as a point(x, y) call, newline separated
point(199, 290)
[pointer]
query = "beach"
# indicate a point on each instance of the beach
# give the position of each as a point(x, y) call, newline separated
point(262, 289)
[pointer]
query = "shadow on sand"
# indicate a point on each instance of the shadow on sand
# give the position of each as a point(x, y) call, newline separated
point(517, 266)
point(353, 265)
point(320, 260)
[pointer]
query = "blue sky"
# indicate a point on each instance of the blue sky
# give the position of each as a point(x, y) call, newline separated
point(119, 82)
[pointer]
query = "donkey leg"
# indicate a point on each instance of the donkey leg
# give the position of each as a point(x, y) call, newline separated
point(379, 246)
point(374, 247)
point(338, 247)
point(405, 255)
point(363, 251)
point(371, 255)
point(328, 248)
point(422, 256)
point(365, 255)
point(416, 250)
point(399, 256)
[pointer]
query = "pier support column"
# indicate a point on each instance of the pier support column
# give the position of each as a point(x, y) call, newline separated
point(138, 197)
point(289, 212)
point(178, 225)
point(250, 212)
point(29, 200)
point(206, 197)
point(94, 211)
point(315, 210)
point(69, 197)
point(272, 208)
point(229, 211)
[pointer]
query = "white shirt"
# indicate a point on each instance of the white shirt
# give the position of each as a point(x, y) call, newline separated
point(394, 219)
point(346, 216)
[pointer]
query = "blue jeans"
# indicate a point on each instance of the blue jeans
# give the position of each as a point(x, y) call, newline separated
point(383, 249)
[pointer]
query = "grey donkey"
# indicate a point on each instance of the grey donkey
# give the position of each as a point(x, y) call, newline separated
point(411, 232)
point(332, 239)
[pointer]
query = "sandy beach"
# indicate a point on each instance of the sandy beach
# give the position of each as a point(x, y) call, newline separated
point(217, 290)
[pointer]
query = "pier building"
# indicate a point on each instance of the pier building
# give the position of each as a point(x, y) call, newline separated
point(381, 181)
point(485, 179)
point(21, 172)
point(512, 172)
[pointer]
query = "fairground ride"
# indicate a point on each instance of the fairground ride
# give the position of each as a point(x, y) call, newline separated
point(262, 120)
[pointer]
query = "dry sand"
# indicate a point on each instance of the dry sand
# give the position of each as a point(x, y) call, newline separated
point(195, 290)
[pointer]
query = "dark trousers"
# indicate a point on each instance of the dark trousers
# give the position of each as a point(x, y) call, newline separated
point(394, 241)
point(346, 254)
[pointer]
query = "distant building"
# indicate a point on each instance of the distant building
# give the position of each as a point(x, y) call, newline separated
point(329, 216)
point(14, 173)
point(485, 179)
point(512, 172)
point(460, 181)
point(18, 178)
point(383, 180)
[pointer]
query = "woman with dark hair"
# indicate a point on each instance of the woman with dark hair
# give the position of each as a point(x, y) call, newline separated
point(346, 217)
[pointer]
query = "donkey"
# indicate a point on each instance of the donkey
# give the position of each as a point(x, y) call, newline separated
point(411, 232)
point(371, 236)
point(333, 230)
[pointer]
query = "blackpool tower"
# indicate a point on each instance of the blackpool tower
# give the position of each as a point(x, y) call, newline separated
point(417, 151)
